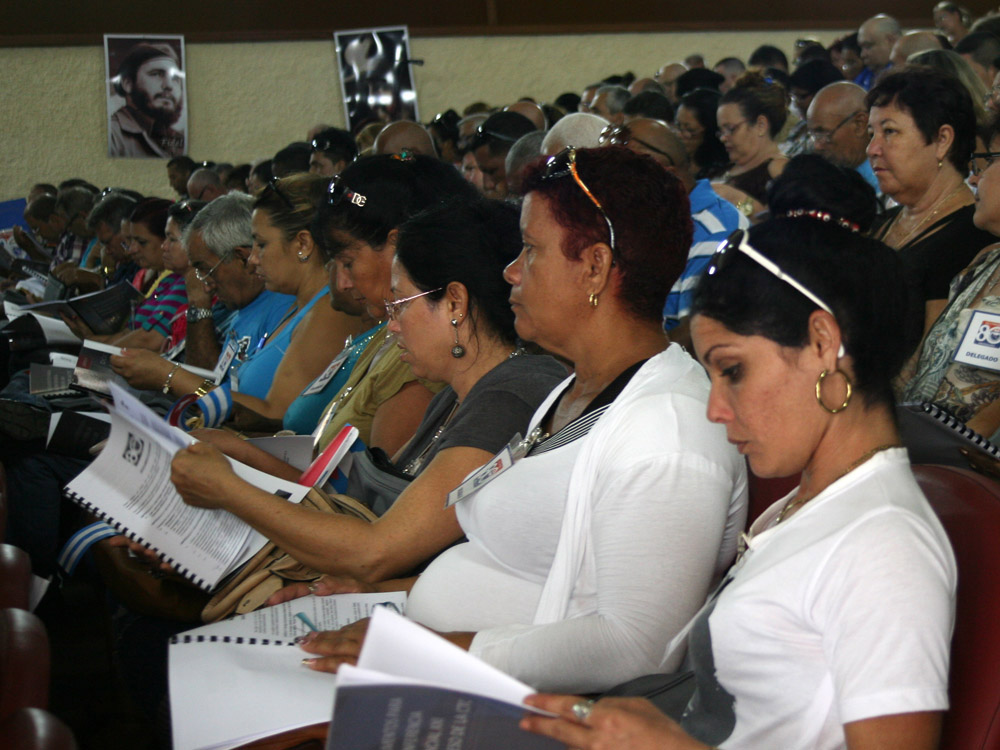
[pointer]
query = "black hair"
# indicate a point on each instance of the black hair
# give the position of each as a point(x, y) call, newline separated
point(337, 144)
point(152, 214)
point(471, 242)
point(698, 78)
point(237, 178)
point(79, 182)
point(111, 209)
point(292, 159)
point(757, 95)
point(389, 190)
point(650, 104)
point(933, 99)
point(501, 131)
point(183, 212)
point(768, 56)
point(263, 170)
point(813, 75)
point(981, 46)
point(809, 180)
point(861, 279)
point(185, 162)
point(711, 156)
point(569, 101)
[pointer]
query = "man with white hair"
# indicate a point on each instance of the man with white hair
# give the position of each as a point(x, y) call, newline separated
point(579, 129)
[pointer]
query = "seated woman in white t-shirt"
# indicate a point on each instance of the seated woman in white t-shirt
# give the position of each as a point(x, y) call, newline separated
point(833, 629)
point(588, 555)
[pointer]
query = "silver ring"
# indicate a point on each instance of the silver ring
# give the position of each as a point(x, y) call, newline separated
point(581, 710)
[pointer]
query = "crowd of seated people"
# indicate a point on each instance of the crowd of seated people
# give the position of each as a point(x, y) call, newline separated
point(658, 284)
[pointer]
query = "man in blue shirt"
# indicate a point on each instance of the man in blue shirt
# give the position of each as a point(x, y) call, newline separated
point(876, 37)
point(838, 128)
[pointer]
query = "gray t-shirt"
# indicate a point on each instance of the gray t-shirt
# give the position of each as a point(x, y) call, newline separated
point(498, 406)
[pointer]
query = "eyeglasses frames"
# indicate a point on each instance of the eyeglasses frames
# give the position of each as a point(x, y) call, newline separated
point(204, 276)
point(621, 135)
point(826, 137)
point(987, 156)
point(564, 164)
point(394, 308)
point(273, 185)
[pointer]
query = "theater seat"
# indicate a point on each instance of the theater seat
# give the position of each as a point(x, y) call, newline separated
point(3, 502)
point(15, 577)
point(35, 729)
point(968, 505)
point(24, 662)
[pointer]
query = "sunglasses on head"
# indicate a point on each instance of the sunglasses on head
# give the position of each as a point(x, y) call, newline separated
point(273, 185)
point(338, 192)
point(564, 164)
point(737, 243)
point(621, 135)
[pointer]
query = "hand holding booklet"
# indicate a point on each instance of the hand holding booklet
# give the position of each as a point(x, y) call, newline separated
point(241, 679)
point(129, 486)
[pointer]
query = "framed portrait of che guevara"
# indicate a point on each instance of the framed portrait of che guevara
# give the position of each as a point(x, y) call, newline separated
point(376, 75)
point(145, 90)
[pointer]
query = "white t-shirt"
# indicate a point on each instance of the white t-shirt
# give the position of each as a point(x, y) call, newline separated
point(663, 495)
point(842, 612)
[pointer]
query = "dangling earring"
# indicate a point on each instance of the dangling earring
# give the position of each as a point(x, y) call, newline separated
point(303, 258)
point(819, 388)
point(593, 300)
point(457, 351)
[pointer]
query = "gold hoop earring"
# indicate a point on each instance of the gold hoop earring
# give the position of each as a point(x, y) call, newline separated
point(593, 300)
point(819, 393)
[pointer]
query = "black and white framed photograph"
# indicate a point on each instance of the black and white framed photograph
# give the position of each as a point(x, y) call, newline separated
point(376, 78)
point(145, 87)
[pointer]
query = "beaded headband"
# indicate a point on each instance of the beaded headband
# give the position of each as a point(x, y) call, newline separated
point(798, 213)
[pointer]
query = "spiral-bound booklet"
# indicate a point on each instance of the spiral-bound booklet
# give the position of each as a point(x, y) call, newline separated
point(271, 692)
point(933, 436)
point(128, 485)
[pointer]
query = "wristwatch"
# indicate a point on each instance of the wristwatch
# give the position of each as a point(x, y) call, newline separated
point(194, 314)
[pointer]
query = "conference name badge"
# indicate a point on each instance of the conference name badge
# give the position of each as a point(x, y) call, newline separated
point(320, 383)
point(980, 344)
point(222, 367)
point(482, 476)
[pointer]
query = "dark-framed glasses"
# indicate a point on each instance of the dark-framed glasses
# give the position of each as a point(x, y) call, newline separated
point(826, 136)
point(338, 192)
point(737, 243)
point(563, 164)
point(621, 135)
point(982, 156)
point(395, 307)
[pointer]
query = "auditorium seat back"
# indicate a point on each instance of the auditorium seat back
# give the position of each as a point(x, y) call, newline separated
point(968, 505)
point(35, 729)
point(24, 662)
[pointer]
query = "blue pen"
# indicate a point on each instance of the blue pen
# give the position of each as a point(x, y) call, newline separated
point(308, 623)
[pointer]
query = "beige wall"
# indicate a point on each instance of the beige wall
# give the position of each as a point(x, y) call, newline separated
point(245, 101)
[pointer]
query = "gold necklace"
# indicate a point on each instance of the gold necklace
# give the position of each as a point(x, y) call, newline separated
point(937, 206)
point(796, 503)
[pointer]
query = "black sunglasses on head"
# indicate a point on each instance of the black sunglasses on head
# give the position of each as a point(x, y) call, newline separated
point(273, 185)
point(338, 192)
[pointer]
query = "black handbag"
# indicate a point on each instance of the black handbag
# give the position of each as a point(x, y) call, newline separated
point(375, 481)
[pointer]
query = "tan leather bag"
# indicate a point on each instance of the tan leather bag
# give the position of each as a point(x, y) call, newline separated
point(272, 568)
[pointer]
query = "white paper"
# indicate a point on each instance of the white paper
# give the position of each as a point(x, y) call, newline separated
point(55, 331)
point(12, 311)
point(130, 483)
point(225, 694)
point(401, 648)
point(39, 586)
point(295, 450)
point(281, 621)
point(61, 359)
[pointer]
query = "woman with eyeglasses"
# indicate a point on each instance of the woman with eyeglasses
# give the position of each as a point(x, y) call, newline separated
point(833, 628)
point(696, 124)
point(449, 313)
point(923, 129)
point(750, 116)
point(967, 391)
point(587, 555)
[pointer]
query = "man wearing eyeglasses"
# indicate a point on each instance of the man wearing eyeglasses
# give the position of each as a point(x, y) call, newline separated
point(837, 119)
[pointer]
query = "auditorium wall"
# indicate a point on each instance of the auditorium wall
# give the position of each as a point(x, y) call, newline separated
point(246, 100)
